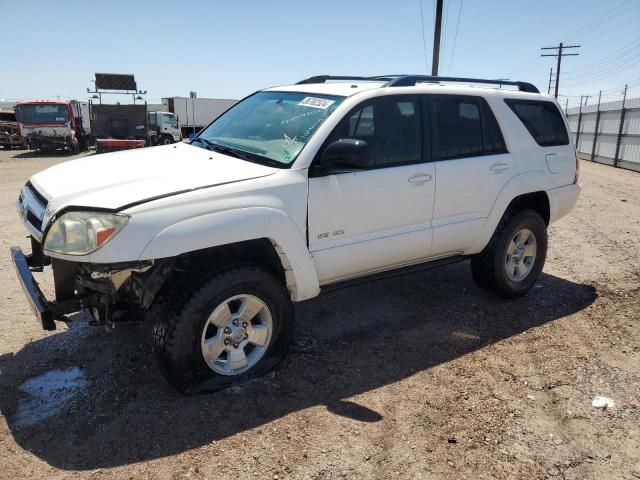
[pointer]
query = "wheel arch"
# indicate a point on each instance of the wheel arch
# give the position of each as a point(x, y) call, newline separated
point(257, 235)
point(523, 192)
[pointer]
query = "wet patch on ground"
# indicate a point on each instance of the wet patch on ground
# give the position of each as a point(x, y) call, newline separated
point(47, 395)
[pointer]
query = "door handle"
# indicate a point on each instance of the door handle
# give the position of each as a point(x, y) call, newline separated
point(420, 179)
point(499, 167)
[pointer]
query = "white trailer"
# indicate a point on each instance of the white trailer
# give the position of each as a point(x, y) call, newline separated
point(195, 113)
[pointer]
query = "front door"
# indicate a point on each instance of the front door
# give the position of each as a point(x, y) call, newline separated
point(378, 218)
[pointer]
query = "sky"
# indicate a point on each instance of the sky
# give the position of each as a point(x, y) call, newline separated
point(230, 49)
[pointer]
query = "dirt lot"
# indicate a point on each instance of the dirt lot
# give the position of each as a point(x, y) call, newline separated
point(418, 377)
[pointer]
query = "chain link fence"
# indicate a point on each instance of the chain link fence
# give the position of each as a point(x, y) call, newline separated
point(608, 133)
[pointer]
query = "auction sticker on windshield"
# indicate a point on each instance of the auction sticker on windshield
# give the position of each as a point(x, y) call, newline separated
point(316, 102)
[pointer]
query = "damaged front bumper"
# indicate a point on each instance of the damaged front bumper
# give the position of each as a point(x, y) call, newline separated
point(45, 310)
point(78, 286)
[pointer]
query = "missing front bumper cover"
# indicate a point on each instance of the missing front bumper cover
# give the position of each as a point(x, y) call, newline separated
point(45, 310)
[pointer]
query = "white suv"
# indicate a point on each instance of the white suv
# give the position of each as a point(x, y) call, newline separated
point(292, 190)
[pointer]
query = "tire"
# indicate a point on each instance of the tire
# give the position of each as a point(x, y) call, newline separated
point(84, 144)
point(510, 269)
point(166, 140)
point(185, 325)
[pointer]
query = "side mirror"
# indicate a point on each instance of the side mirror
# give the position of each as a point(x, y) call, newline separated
point(345, 155)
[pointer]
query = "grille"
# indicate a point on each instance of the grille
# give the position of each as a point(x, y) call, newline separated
point(43, 201)
point(32, 206)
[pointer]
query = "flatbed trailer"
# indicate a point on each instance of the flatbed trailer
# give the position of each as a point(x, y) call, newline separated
point(114, 144)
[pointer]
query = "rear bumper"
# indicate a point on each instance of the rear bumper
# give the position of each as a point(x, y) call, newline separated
point(37, 301)
point(562, 200)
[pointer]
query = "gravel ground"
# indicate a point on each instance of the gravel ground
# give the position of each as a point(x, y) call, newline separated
point(423, 376)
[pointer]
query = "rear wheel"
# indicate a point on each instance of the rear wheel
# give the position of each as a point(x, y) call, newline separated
point(223, 329)
point(512, 261)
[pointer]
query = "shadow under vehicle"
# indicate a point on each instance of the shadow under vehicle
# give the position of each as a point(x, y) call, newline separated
point(348, 342)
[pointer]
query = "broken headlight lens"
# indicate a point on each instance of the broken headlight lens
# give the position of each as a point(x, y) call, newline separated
point(80, 233)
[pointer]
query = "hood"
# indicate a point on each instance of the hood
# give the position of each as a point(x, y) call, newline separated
point(115, 180)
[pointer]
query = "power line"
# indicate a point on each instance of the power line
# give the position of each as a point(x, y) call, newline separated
point(628, 49)
point(455, 37)
point(559, 56)
point(445, 22)
point(424, 39)
point(603, 19)
point(607, 73)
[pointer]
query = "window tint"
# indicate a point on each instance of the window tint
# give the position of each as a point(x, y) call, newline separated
point(391, 127)
point(457, 127)
point(464, 127)
point(493, 139)
point(543, 121)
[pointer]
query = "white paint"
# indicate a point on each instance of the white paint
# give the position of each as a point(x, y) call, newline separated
point(358, 223)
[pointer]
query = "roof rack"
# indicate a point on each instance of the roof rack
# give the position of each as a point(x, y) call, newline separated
point(411, 80)
point(324, 78)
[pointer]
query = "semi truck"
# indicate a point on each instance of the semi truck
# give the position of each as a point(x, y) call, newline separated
point(164, 128)
point(196, 113)
point(49, 125)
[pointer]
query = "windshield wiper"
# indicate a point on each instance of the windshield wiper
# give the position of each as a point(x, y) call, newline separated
point(231, 151)
point(234, 152)
point(249, 157)
point(207, 144)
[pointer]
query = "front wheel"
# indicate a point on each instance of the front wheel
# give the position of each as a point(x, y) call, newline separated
point(166, 140)
point(223, 330)
point(512, 261)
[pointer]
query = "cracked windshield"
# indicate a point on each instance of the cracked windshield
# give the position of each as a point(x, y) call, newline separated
point(272, 126)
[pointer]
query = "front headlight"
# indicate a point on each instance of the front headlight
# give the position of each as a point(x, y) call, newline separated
point(80, 233)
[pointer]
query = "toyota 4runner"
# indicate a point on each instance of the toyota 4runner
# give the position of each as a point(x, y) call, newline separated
point(292, 190)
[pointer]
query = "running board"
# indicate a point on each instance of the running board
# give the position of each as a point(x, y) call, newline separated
point(397, 272)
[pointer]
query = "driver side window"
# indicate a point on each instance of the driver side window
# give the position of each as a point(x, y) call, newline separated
point(391, 126)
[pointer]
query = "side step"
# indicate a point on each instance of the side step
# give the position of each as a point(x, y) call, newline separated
point(398, 272)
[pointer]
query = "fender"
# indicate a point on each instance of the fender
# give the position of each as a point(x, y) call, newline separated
point(522, 184)
point(231, 226)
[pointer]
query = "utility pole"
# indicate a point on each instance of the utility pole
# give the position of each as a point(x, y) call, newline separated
point(623, 111)
point(579, 125)
point(436, 38)
point(559, 55)
point(550, 75)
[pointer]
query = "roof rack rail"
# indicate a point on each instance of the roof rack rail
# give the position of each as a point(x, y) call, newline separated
point(324, 78)
point(411, 80)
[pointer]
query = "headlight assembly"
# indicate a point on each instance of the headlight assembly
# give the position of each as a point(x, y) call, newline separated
point(80, 233)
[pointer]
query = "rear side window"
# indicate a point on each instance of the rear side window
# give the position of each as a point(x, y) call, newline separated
point(464, 127)
point(542, 119)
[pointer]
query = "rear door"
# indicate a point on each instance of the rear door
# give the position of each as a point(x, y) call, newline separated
point(548, 129)
point(472, 166)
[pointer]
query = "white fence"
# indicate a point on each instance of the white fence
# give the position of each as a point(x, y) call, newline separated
point(608, 133)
